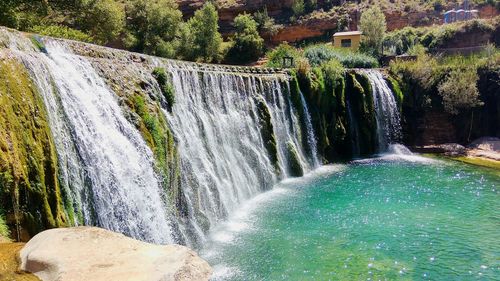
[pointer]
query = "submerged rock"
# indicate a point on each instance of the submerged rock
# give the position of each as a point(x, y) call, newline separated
point(90, 253)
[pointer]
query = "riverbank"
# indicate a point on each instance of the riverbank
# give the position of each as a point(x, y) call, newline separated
point(483, 152)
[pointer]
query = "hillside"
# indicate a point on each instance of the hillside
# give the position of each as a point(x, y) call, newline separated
point(327, 16)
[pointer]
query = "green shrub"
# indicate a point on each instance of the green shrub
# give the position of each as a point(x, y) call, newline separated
point(318, 54)
point(60, 31)
point(275, 56)
point(459, 90)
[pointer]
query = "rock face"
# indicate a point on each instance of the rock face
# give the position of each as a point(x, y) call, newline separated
point(90, 253)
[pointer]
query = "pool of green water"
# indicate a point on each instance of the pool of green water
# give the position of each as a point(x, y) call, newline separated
point(370, 220)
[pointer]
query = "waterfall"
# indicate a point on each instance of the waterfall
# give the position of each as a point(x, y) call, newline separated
point(353, 130)
point(104, 160)
point(311, 138)
point(224, 158)
point(386, 111)
point(236, 134)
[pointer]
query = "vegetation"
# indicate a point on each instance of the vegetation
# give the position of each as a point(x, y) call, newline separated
point(373, 26)
point(152, 27)
point(30, 191)
point(459, 90)
point(205, 34)
point(247, 44)
point(166, 88)
point(4, 230)
point(265, 23)
point(61, 31)
point(275, 56)
point(403, 40)
point(318, 54)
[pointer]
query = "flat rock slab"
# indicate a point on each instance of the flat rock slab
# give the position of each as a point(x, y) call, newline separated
point(90, 253)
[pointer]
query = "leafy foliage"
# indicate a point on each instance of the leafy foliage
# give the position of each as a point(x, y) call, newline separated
point(275, 57)
point(265, 23)
point(205, 33)
point(152, 27)
point(318, 54)
point(103, 19)
point(60, 31)
point(373, 26)
point(248, 45)
point(459, 90)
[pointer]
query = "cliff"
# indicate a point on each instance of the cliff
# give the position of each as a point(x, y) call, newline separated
point(323, 21)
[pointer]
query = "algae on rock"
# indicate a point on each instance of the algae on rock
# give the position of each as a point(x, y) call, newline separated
point(29, 185)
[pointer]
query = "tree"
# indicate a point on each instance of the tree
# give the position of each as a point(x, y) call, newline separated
point(152, 27)
point(373, 26)
point(265, 23)
point(298, 8)
point(204, 28)
point(459, 90)
point(248, 45)
point(103, 19)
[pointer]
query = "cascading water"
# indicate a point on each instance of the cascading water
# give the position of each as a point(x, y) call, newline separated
point(311, 138)
point(386, 111)
point(236, 135)
point(115, 185)
point(216, 123)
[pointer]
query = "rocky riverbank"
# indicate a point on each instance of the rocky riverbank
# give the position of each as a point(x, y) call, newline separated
point(482, 152)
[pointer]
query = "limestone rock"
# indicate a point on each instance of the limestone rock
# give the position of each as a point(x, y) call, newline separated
point(90, 253)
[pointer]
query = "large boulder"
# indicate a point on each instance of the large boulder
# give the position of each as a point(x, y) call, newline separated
point(90, 253)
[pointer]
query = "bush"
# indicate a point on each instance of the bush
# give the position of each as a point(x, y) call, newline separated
point(459, 90)
point(275, 57)
point(318, 54)
point(60, 31)
point(248, 45)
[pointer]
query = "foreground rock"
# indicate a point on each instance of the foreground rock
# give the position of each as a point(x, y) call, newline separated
point(89, 253)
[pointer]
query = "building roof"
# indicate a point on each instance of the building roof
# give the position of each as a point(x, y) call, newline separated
point(347, 33)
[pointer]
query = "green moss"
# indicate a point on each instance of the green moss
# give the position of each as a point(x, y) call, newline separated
point(396, 90)
point(30, 192)
point(267, 132)
point(358, 89)
point(294, 164)
point(154, 128)
point(479, 162)
point(4, 230)
point(166, 88)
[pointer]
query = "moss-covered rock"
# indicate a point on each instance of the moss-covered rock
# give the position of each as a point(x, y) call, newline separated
point(166, 88)
point(267, 132)
point(294, 164)
point(359, 93)
point(29, 186)
point(396, 90)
